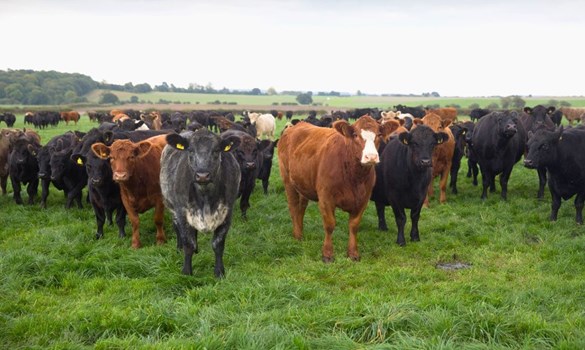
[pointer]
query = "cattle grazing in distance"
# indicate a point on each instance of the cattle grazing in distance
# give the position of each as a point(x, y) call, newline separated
point(23, 168)
point(560, 151)
point(498, 141)
point(459, 132)
point(265, 125)
point(104, 195)
point(334, 166)
point(403, 177)
point(442, 155)
point(476, 113)
point(534, 119)
point(71, 116)
point(573, 114)
point(136, 168)
point(199, 179)
point(8, 118)
point(447, 113)
point(416, 112)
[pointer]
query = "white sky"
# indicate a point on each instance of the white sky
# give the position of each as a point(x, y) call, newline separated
point(457, 48)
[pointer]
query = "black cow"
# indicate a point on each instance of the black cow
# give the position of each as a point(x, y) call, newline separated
point(199, 181)
point(561, 153)
point(8, 118)
point(44, 159)
point(267, 147)
point(104, 194)
point(249, 157)
point(459, 132)
point(23, 168)
point(477, 113)
point(65, 170)
point(472, 167)
point(535, 119)
point(403, 177)
point(556, 117)
point(289, 115)
point(417, 112)
point(498, 141)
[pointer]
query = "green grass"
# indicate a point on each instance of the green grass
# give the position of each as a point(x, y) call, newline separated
point(61, 289)
point(385, 102)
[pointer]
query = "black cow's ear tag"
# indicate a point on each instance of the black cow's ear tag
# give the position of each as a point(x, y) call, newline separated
point(227, 147)
point(179, 146)
point(405, 141)
point(79, 161)
point(440, 140)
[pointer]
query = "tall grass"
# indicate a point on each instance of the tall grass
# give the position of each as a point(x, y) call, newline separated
point(60, 288)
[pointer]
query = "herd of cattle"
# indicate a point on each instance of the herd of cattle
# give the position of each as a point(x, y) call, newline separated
point(198, 164)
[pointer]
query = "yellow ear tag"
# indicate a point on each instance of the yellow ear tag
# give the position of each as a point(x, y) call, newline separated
point(103, 155)
point(79, 161)
point(179, 146)
point(405, 141)
point(227, 148)
point(440, 141)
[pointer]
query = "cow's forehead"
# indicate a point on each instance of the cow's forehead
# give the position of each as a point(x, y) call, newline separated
point(122, 147)
point(366, 123)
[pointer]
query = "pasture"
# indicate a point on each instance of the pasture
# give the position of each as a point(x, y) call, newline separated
point(523, 288)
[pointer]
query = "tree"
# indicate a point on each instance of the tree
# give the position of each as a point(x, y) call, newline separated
point(109, 98)
point(493, 106)
point(474, 106)
point(565, 104)
point(133, 99)
point(256, 91)
point(518, 102)
point(142, 88)
point(271, 91)
point(304, 99)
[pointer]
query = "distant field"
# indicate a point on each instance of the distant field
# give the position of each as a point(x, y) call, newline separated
point(385, 102)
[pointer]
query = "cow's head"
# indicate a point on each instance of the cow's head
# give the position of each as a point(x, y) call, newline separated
point(99, 171)
point(541, 148)
point(204, 150)
point(421, 141)
point(364, 137)
point(123, 155)
point(507, 123)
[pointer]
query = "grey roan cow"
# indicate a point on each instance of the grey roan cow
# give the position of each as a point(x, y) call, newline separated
point(199, 180)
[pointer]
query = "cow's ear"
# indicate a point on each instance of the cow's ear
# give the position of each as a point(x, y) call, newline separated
point(441, 137)
point(551, 110)
point(389, 127)
point(417, 121)
point(530, 134)
point(177, 142)
point(264, 144)
point(405, 137)
point(528, 110)
point(344, 128)
point(445, 123)
point(100, 150)
point(142, 149)
point(32, 150)
point(230, 143)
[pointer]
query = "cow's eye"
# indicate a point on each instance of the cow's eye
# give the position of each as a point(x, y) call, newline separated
point(544, 147)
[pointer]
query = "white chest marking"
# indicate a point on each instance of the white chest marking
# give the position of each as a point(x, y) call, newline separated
point(204, 219)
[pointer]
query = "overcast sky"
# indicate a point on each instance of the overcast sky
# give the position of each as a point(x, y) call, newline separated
point(456, 48)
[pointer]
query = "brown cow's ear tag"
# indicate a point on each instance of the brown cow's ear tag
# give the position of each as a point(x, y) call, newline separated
point(104, 155)
point(440, 141)
point(179, 146)
point(79, 161)
point(227, 147)
point(405, 141)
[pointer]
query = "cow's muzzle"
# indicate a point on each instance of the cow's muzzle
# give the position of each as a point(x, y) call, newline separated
point(202, 178)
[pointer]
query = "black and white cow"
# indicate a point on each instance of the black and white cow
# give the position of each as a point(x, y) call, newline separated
point(199, 180)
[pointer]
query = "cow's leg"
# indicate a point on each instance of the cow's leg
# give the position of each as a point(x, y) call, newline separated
point(504, 177)
point(328, 216)
point(265, 185)
point(100, 216)
point(218, 244)
point(159, 213)
point(134, 220)
point(541, 182)
point(352, 244)
point(3, 184)
point(486, 180)
point(400, 218)
point(16, 190)
point(453, 182)
point(475, 172)
point(120, 220)
point(579, 199)
point(555, 205)
point(380, 210)
point(188, 242)
point(32, 190)
point(414, 217)
point(443, 184)
point(297, 204)
point(44, 192)
point(245, 199)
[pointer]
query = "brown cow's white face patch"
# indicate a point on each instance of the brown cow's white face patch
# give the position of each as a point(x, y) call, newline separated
point(370, 153)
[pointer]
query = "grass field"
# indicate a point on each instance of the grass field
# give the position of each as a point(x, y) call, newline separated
point(62, 289)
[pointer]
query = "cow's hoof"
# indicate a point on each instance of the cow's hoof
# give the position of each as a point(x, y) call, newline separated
point(327, 259)
point(354, 258)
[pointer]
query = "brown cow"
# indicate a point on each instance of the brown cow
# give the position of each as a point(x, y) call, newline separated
point(70, 116)
point(442, 155)
point(334, 166)
point(447, 114)
point(573, 114)
point(136, 168)
point(153, 120)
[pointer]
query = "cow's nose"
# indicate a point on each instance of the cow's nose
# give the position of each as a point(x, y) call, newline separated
point(120, 176)
point(370, 158)
point(426, 162)
point(202, 177)
point(250, 165)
